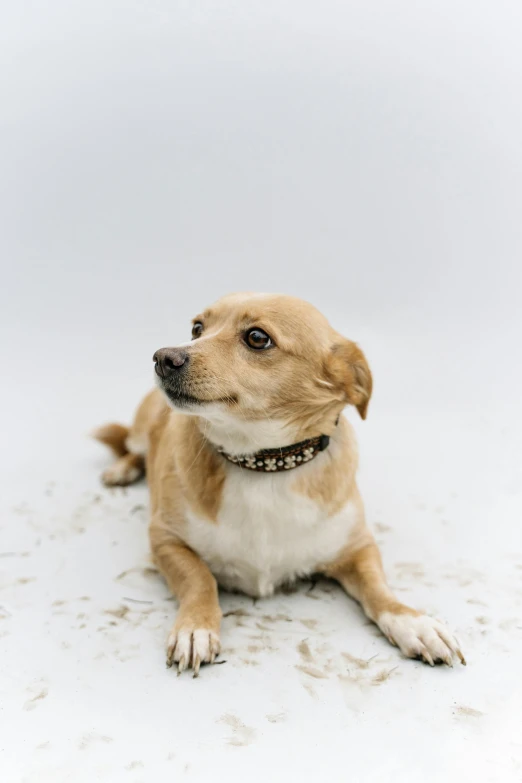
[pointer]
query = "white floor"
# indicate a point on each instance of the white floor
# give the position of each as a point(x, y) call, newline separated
point(365, 156)
point(307, 689)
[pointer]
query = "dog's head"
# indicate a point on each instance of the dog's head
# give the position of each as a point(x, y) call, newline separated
point(260, 357)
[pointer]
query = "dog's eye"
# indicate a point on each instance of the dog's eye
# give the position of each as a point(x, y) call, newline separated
point(197, 329)
point(258, 339)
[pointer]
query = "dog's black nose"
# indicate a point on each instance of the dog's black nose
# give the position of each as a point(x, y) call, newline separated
point(169, 361)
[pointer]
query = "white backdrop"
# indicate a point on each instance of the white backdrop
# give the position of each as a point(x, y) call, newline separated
point(366, 156)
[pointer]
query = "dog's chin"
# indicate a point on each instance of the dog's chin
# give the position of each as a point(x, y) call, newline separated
point(182, 401)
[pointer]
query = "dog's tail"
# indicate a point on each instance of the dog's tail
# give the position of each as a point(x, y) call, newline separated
point(114, 436)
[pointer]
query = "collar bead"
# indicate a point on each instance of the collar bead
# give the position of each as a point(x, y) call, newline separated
point(277, 460)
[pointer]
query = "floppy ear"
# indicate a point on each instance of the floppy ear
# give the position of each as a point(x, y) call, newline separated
point(349, 368)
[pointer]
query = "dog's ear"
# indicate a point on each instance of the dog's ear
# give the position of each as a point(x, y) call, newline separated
point(348, 368)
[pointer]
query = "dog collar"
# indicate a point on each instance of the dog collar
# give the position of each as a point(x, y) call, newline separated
point(285, 458)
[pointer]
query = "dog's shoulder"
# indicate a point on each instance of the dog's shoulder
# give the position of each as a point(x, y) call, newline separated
point(330, 483)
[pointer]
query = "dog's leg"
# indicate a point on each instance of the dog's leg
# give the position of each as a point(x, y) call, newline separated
point(130, 446)
point(194, 638)
point(126, 470)
point(416, 634)
point(128, 467)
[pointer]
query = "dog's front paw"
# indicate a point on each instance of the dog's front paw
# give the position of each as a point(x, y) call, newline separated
point(421, 636)
point(190, 647)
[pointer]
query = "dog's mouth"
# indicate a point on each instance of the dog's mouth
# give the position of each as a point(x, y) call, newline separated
point(183, 399)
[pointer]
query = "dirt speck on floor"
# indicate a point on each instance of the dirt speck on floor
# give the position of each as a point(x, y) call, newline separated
point(148, 572)
point(241, 733)
point(467, 712)
point(353, 678)
point(236, 613)
point(311, 671)
point(31, 704)
point(304, 651)
point(276, 618)
point(120, 612)
point(311, 624)
point(249, 661)
point(361, 663)
point(383, 676)
point(464, 577)
point(135, 600)
point(510, 623)
point(309, 689)
point(276, 717)
point(414, 570)
point(89, 739)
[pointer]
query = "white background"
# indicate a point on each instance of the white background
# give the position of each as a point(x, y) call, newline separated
point(366, 156)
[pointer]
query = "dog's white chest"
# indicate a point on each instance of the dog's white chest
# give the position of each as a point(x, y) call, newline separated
point(267, 534)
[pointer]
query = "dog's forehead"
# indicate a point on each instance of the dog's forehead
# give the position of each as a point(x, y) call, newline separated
point(286, 312)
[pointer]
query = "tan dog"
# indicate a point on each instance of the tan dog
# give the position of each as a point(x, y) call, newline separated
point(252, 470)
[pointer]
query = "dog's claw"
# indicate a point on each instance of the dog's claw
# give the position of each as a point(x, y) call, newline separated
point(427, 657)
point(182, 665)
point(452, 644)
point(190, 649)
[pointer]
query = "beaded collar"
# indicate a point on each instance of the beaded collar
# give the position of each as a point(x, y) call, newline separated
point(286, 458)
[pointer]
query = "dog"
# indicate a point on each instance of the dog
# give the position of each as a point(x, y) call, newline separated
point(252, 472)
